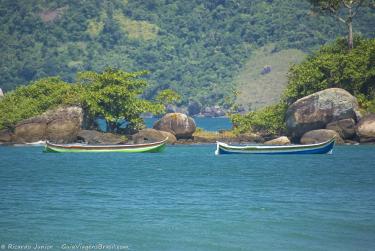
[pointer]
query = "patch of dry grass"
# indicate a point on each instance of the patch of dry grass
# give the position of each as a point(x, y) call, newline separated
point(136, 29)
point(257, 90)
point(214, 135)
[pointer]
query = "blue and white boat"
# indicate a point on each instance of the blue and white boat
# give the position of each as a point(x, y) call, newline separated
point(319, 148)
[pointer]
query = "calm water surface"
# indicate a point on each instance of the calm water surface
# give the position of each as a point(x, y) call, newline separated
point(188, 199)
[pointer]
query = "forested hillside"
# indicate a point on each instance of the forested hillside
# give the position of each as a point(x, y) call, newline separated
point(195, 47)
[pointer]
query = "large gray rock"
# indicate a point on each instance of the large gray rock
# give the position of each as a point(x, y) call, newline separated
point(96, 137)
point(317, 110)
point(283, 140)
point(321, 135)
point(152, 135)
point(59, 125)
point(366, 129)
point(345, 128)
point(179, 124)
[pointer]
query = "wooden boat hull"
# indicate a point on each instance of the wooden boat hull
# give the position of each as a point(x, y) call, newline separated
point(320, 148)
point(136, 148)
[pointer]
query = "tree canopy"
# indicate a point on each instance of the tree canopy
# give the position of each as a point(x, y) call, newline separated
point(334, 65)
point(113, 94)
point(344, 11)
point(194, 47)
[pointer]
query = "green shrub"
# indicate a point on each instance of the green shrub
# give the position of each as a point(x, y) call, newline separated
point(267, 121)
point(34, 99)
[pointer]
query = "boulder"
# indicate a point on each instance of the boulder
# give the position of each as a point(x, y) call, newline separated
point(317, 110)
point(283, 140)
point(62, 130)
point(5, 136)
point(266, 69)
point(194, 108)
point(207, 112)
point(63, 124)
point(30, 130)
point(59, 125)
point(345, 128)
point(152, 135)
point(179, 124)
point(321, 135)
point(218, 111)
point(1, 93)
point(366, 129)
point(214, 111)
point(96, 137)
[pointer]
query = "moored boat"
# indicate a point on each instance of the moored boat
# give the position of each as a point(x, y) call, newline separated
point(130, 148)
point(319, 148)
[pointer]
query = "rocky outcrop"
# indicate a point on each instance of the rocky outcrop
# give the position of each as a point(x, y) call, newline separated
point(5, 136)
point(214, 111)
point(96, 137)
point(152, 135)
point(179, 124)
point(30, 130)
point(283, 140)
point(345, 128)
point(60, 125)
point(321, 135)
point(366, 129)
point(317, 110)
point(194, 108)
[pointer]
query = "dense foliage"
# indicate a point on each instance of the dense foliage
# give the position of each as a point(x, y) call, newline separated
point(333, 65)
point(192, 46)
point(114, 95)
point(268, 121)
point(34, 99)
point(167, 97)
point(345, 11)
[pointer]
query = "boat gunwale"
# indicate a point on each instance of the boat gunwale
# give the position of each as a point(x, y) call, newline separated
point(104, 147)
point(273, 147)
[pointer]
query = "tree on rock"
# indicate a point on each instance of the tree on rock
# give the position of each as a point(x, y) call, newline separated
point(116, 95)
point(343, 10)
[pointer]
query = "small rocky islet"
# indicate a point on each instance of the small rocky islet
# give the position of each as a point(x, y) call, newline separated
point(315, 118)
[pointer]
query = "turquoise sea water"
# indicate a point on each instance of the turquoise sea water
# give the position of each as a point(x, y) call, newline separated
point(188, 199)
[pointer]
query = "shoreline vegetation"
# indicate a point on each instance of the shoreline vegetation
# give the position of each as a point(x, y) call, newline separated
point(330, 94)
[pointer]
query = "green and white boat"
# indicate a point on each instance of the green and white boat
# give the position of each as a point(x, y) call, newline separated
point(131, 148)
